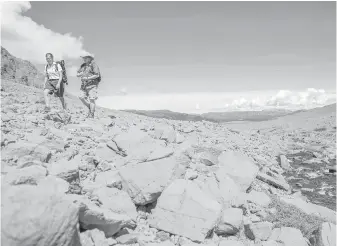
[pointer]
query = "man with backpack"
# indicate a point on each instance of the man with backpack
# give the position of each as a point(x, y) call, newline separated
point(90, 77)
point(54, 81)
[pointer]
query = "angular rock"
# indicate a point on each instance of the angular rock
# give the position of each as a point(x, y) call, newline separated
point(239, 167)
point(259, 198)
point(272, 181)
point(27, 161)
point(231, 243)
point(260, 230)
point(96, 236)
point(20, 149)
point(109, 179)
point(183, 209)
point(325, 235)
point(284, 162)
point(310, 208)
point(144, 182)
point(231, 222)
point(34, 215)
point(116, 201)
point(190, 174)
point(270, 243)
point(28, 175)
point(166, 243)
point(128, 238)
point(64, 169)
point(55, 184)
point(91, 216)
point(208, 158)
point(288, 236)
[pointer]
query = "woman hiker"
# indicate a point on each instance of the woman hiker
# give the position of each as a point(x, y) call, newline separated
point(53, 82)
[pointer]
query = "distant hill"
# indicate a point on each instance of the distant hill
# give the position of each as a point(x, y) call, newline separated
point(215, 116)
point(20, 71)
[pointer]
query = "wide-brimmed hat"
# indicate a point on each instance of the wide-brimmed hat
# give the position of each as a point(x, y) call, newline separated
point(88, 56)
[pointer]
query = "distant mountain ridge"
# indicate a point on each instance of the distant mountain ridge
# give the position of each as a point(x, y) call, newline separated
point(216, 116)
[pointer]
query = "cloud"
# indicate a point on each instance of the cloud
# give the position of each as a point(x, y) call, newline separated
point(212, 102)
point(29, 40)
point(285, 99)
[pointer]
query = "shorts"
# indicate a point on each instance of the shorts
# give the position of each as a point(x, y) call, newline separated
point(51, 86)
point(90, 93)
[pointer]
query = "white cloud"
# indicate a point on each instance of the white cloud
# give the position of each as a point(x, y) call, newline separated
point(211, 102)
point(25, 38)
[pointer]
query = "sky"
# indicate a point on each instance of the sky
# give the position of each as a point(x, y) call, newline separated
point(186, 56)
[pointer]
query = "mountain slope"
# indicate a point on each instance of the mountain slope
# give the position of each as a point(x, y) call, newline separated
point(19, 71)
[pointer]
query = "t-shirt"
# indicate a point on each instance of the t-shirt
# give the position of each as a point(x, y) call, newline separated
point(51, 72)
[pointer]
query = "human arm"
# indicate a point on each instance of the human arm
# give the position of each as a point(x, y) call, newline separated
point(96, 73)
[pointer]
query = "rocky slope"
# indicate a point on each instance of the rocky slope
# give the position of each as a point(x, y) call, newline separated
point(19, 70)
point(127, 179)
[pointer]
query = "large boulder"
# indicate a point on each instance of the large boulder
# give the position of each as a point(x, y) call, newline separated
point(288, 236)
point(94, 237)
point(258, 197)
point(22, 148)
point(260, 230)
point(144, 182)
point(184, 209)
point(64, 169)
point(310, 208)
point(115, 200)
point(231, 222)
point(239, 167)
point(325, 235)
point(231, 243)
point(28, 175)
point(55, 184)
point(93, 217)
point(38, 216)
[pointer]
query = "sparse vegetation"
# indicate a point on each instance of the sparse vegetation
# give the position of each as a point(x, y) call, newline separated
point(290, 216)
point(321, 129)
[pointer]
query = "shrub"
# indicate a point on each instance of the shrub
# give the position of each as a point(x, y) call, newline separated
point(287, 215)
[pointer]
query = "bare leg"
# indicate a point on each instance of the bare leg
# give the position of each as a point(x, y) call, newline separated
point(92, 107)
point(63, 103)
point(46, 97)
point(85, 101)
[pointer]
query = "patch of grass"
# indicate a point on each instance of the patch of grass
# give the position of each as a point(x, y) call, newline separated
point(287, 215)
point(322, 129)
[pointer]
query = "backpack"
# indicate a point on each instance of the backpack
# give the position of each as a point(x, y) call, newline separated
point(100, 77)
point(64, 73)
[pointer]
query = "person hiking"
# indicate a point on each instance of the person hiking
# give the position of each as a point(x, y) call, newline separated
point(90, 77)
point(53, 82)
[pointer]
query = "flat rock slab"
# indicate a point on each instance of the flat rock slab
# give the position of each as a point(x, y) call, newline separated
point(272, 181)
point(64, 169)
point(183, 209)
point(260, 230)
point(93, 217)
point(239, 167)
point(38, 216)
point(231, 222)
point(288, 236)
point(144, 182)
point(28, 175)
point(117, 201)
